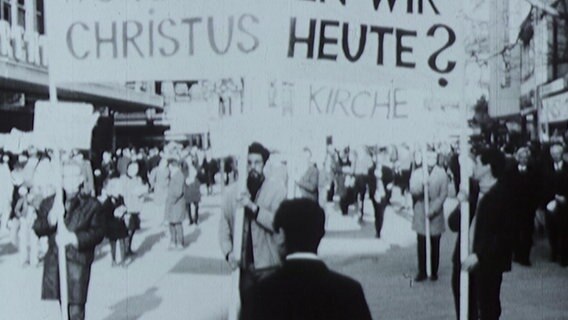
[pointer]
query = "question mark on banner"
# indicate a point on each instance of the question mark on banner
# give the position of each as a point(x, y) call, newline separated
point(432, 61)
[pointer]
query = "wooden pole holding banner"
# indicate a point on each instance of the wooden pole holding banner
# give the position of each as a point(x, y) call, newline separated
point(425, 176)
point(465, 172)
point(61, 250)
point(464, 186)
point(235, 304)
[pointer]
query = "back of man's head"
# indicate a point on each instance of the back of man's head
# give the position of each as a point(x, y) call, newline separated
point(303, 224)
point(496, 159)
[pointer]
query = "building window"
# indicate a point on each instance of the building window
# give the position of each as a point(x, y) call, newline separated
point(21, 13)
point(5, 11)
point(40, 27)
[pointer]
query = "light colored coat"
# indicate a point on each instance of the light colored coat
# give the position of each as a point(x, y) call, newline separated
point(437, 193)
point(132, 190)
point(265, 248)
point(309, 183)
point(176, 209)
point(160, 179)
point(6, 189)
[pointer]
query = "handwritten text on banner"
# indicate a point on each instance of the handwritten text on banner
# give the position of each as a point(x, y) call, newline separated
point(411, 42)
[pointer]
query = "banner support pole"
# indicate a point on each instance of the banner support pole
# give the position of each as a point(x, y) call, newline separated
point(426, 209)
point(61, 250)
point(235, 303)
point(464, 186)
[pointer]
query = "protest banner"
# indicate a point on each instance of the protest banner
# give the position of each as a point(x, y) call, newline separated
point(64, 125)
point(16, 141)
point(397, 44)
point(414, 44)
point(189, 117)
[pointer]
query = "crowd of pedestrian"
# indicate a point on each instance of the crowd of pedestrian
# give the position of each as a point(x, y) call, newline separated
point(512, 193)
point(122, 181)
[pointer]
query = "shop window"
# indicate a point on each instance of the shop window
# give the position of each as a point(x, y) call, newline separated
point(5, 11)
point(40, 24)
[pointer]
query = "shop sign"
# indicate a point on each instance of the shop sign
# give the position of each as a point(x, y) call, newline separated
point(23, 46)
point(555, 109)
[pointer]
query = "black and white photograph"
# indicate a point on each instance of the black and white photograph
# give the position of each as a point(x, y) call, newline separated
point(283, 159)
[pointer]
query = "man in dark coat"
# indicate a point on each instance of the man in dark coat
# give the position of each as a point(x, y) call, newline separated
point(304, 288)
point(84, 228)
point(525, 182)
point(380, 173)
point(123, 161)
point(493, 231)
point(555, 201)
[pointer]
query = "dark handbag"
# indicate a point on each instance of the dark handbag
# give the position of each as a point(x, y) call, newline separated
point(134, 221)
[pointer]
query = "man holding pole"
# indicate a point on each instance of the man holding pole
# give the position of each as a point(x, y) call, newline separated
point(428, 205)
point(493, 232)
point(81, 231)
point(260, 200)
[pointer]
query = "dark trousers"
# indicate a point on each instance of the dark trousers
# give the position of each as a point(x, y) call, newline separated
point(524, 239)
point(128, 241)
point(361, 181)
point(472, 297)
point(331, 191)
point(347, 199)
point(557, 236)
point(176, 233)
point(193, 215)
point(379, 208)
point(488, 287)
point(434, 258)
point(75, 311)
point(122, 247)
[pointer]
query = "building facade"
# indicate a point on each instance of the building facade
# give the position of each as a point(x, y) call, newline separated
point(544, 70)
point(24, 80)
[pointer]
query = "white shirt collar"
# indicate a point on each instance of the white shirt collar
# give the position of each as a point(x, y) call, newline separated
point(303, 256)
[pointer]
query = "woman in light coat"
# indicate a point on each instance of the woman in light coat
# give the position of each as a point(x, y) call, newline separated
point(437, 184)
point(159, 180)
point(132, 191)
point(176, 209)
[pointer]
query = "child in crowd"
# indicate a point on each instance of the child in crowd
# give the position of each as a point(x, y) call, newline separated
point(192, 195)
point(114, 210)
point(28, 242)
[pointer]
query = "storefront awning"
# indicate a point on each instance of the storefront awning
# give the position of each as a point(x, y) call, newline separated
point(31, 79)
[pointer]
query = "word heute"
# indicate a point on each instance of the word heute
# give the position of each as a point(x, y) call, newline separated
point(326, 43)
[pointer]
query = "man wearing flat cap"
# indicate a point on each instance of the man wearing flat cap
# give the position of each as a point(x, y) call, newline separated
point(260, 200)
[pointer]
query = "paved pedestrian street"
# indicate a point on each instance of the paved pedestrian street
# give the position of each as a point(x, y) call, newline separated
point(194, 283)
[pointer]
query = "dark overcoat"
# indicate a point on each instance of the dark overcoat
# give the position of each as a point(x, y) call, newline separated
point(83, 217)
point(115, 226)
